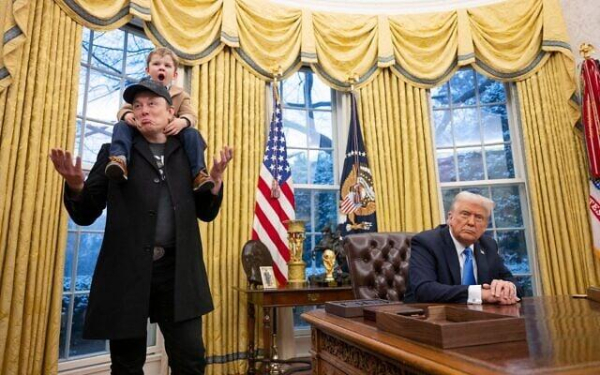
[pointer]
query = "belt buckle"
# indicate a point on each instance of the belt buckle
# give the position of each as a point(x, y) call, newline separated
point(158, 252)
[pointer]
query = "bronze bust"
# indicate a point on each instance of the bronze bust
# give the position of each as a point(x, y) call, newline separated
point(255, 255)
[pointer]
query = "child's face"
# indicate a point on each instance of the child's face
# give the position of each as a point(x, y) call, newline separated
point(162, 69)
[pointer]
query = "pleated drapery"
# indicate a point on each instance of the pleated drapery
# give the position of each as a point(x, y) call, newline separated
point(231, 111)
point(558, 183)
point(37, 112)
point(507, 41)
point(395, 119)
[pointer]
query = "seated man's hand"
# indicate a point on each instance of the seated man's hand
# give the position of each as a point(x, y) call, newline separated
point(500, 291)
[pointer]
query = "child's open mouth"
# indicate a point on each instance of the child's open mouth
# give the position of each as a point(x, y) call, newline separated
point(161, 76)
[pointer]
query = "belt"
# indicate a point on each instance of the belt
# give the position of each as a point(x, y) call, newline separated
point(159, 252)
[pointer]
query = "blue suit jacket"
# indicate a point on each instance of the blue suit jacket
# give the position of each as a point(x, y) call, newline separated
point(434, 269)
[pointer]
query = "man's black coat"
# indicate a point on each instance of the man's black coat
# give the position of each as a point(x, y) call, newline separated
point(119, 297)
point(434, 270)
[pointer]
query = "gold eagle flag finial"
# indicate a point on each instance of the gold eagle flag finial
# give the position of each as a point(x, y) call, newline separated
point(586, 50)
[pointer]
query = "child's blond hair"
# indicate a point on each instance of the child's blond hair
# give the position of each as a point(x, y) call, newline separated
point(162, 52)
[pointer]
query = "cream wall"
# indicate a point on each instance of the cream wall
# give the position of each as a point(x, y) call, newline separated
point(583, 23)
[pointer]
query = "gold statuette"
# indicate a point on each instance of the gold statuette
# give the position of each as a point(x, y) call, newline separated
point(329, 264)
point(296, 266)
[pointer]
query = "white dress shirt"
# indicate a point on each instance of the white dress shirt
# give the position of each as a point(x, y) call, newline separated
point(474, 290)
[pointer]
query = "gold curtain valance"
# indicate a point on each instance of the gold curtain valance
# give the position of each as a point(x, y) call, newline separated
point(506, 41)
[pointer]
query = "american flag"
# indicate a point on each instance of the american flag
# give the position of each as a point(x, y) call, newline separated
point(275, 197)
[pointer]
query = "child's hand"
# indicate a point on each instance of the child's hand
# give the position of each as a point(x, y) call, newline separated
point(175, 126)
point(129, 119)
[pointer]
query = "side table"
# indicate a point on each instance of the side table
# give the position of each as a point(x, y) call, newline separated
point(268, 299)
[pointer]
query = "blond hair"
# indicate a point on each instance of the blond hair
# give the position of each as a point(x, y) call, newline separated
point(162, 52)
point(484, 202)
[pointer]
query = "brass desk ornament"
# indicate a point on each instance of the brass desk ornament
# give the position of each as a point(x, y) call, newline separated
point(296, 266)
point(329, 264)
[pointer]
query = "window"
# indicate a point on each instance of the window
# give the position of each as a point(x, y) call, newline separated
point(309, 125)
point(109, 61)
point(478, 149)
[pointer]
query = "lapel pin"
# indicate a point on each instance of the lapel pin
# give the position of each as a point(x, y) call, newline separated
point(481, 251)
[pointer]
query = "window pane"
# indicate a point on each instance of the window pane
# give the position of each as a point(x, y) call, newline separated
point(138, 49)
point(79, 346)
point(525, 283)
point(446, 168)
point(71, 246)
point(443, 129)
point(322, 134)
point(326, 206)
point(307, 250)
point(495, 124)
point(513, 250)
point(89, 247)
point(298, 160)
point(293, 90)
point(462, 87)
point(439, 96)
point(321, 163)
point(302, 199)
point(485, 191)
point(100, 222)
point(466, 127)
point(95, 136)
point(499, 161)
point(85, 44)
point(104, 94)
point(78, 129)
point(294, 122)
point(470, 164)
point(320, 94)
point(107, 51)
point(63, 325)
point(490, 91)
point(83, 73)
point(507, 211)
point(298, 321)
point(448, 196)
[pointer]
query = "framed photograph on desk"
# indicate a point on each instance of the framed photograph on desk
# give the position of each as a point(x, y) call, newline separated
point(268, 277)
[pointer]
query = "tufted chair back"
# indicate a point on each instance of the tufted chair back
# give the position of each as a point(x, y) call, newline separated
point(378, 264)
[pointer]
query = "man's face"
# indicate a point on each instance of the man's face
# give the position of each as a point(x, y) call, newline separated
point(467, 220)
point(152, 112)
point(162, 69)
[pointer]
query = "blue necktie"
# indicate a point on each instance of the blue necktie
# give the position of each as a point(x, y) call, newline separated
point(468, 277)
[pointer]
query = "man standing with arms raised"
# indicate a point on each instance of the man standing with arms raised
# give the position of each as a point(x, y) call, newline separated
point(150, 264)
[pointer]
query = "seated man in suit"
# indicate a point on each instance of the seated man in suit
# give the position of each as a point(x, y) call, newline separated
point(456, 263)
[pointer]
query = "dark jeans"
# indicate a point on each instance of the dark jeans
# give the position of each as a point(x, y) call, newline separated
point(190, 138)
point(183, 340)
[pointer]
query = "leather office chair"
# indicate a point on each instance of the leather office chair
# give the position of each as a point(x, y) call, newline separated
point(378, 264)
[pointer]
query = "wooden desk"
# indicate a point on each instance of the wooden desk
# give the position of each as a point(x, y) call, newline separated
point(283, 297)
point(563, 336)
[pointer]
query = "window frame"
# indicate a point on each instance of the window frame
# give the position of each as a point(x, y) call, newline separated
point(520, 179)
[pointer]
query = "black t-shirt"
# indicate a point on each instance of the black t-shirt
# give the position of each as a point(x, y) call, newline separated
point(165, 217)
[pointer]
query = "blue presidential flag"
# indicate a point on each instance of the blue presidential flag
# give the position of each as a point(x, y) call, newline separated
point(357, 195)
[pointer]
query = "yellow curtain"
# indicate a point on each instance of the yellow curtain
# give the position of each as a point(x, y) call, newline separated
point(395, 120)
point(13, 27)
point(558, 188)
point(509, 40)
point(36, 113)
point(231, 111)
